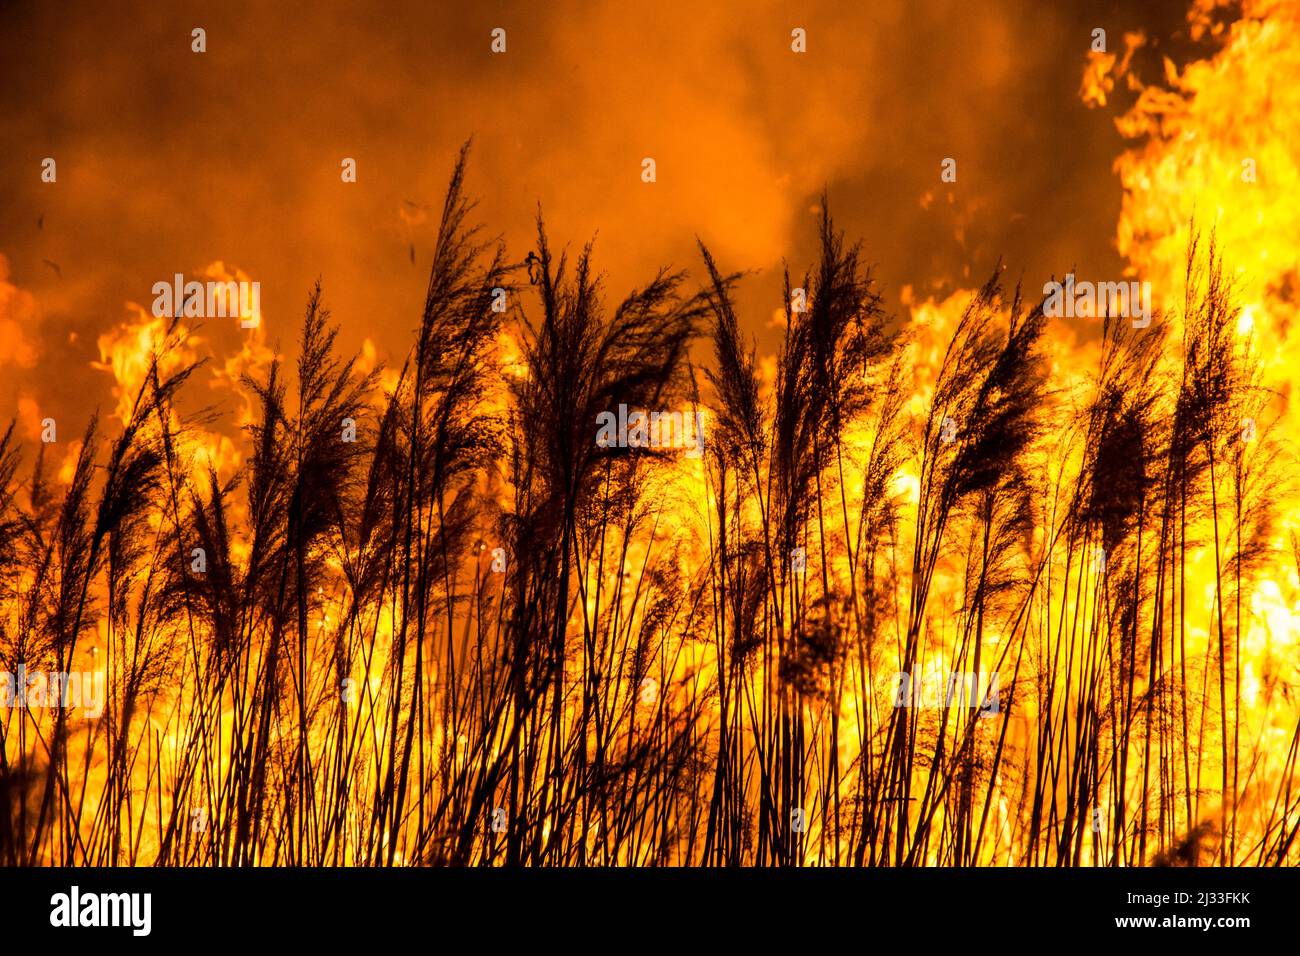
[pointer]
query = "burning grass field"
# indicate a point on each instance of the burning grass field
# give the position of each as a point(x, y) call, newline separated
point(423, 615)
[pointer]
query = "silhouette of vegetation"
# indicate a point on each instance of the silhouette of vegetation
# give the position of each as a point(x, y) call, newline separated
point(476, 636)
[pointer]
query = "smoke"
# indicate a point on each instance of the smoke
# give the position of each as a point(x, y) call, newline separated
point(169, 160)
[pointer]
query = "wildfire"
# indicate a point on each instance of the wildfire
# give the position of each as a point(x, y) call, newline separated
point(792, 625)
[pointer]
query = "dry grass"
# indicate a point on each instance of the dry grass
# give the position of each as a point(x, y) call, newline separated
point(682, 661)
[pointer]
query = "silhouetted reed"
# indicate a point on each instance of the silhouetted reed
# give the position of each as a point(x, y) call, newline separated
point(433, 619)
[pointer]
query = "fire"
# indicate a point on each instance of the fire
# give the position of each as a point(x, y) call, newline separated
point(1215, 148)
point(339, 664)
point(17, 312)
point(1218, 145)
point(128, 351)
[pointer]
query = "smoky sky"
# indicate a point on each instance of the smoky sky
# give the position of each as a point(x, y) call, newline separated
point(169, 160)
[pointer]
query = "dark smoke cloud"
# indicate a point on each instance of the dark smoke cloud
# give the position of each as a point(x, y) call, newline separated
point(169, 160)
